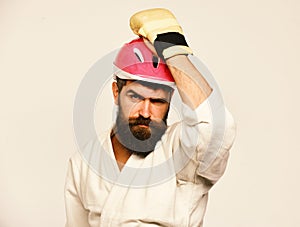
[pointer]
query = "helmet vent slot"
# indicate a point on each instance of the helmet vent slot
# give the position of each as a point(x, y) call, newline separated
point(138, 54)
point(155, 61)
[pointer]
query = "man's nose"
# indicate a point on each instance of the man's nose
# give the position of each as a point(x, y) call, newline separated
point(145, 108)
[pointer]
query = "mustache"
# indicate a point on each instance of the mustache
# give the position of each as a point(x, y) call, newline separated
point(139, 121)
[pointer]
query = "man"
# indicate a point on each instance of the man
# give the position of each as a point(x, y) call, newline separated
point(152, 174)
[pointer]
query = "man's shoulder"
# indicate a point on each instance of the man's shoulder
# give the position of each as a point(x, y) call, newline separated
point(84, 151)
point(173, 127)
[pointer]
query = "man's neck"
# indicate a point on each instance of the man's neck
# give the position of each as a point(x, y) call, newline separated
point(121, 153)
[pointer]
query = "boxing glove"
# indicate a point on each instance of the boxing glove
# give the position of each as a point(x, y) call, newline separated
point(161, 28)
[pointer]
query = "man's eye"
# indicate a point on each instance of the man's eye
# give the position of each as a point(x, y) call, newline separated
point(158, 101)
point(135, 97)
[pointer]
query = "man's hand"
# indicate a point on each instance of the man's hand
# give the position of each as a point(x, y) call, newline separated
point(161, 28)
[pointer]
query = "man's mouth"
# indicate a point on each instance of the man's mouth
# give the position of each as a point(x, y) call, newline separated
point(143, 126)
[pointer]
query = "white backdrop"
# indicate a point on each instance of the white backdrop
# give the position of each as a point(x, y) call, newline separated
point(252, 49)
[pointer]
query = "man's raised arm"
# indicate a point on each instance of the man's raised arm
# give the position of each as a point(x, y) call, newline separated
point(164, 36)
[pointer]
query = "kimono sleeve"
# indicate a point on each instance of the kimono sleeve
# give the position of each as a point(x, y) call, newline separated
point(76, 214)
point(205, 138)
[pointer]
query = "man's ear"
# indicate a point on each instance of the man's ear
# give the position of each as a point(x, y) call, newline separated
point(115, 91)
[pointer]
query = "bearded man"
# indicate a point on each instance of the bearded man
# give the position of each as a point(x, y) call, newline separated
point(152, 173)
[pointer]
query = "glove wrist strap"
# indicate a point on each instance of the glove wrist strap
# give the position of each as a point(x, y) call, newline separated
point(166, 40)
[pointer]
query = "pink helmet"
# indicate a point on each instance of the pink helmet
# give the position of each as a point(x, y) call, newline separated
point(136, 62)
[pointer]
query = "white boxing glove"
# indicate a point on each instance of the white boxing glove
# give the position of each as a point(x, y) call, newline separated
point(161, 28)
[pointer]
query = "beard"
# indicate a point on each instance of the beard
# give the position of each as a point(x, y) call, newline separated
point(139, 135)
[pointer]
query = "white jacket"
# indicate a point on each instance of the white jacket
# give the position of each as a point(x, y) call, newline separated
point(167, 188)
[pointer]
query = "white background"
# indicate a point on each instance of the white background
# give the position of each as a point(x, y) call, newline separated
point(252, 49)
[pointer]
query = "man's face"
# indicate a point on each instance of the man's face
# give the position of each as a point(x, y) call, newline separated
point(141, 120)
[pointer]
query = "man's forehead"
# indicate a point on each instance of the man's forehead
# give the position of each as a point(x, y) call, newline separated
point(146, 90)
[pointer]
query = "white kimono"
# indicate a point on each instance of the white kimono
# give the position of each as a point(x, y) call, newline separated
point(163, 189)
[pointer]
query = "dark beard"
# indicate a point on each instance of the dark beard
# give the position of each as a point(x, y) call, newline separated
point(139, 140)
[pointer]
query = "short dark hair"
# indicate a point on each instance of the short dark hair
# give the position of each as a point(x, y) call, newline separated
point(122, 82)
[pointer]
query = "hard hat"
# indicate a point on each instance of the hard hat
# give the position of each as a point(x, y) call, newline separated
point(135, 61)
